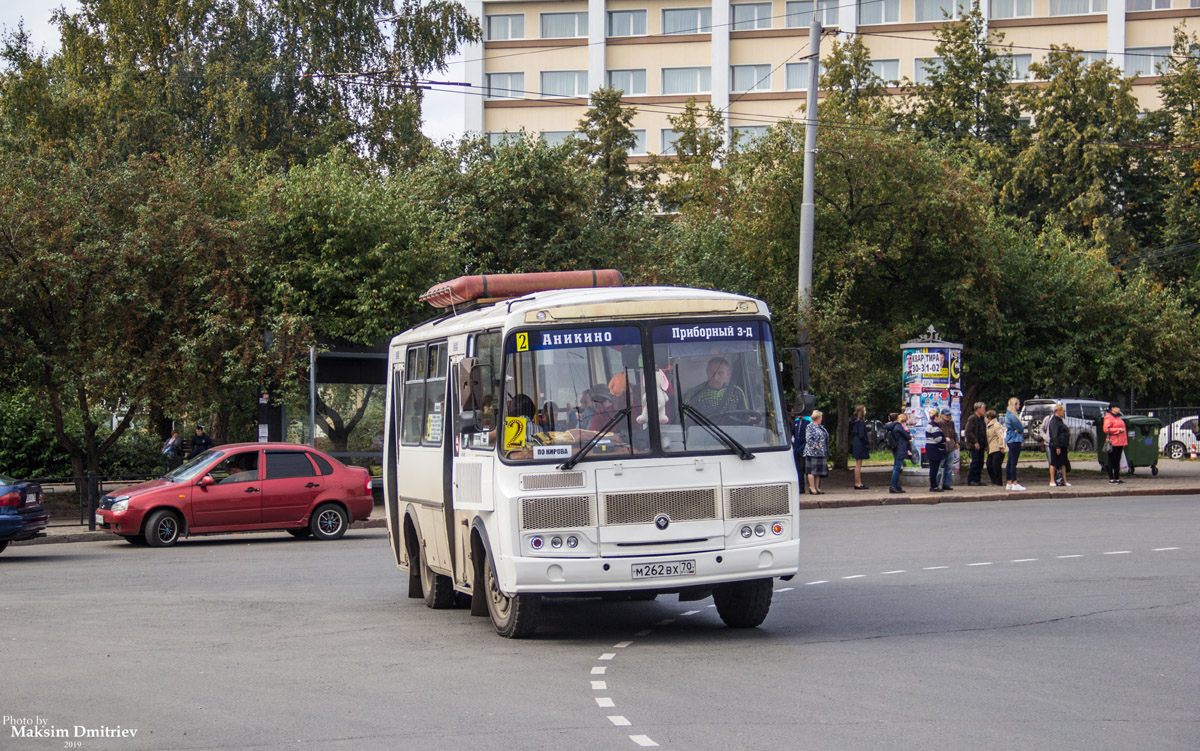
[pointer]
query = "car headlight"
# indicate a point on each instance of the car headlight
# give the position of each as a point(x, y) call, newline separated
point(120, 504)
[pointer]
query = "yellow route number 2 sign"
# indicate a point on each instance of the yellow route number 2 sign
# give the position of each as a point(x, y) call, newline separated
point(514, 433)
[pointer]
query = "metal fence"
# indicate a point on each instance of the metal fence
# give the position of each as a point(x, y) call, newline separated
point(71, 498)
point(1181, 428)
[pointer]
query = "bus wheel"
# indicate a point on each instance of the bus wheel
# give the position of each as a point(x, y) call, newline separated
point(438, 589)
point(744, 604)
point(514, 617)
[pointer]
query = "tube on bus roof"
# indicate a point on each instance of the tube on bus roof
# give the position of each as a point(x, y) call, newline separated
point(467, 289)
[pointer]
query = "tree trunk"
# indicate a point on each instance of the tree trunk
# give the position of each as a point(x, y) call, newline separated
point(218, 426)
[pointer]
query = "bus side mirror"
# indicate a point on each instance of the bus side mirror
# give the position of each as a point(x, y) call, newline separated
point(468, 422)
point(470, 384)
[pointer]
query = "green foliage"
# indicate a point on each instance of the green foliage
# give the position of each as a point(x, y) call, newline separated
point(28, 447)
point(693, 176)
point(853, 91)
point(604, 146)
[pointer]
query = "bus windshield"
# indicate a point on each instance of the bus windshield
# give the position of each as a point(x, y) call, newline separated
point(723, 371)
point(562, 387)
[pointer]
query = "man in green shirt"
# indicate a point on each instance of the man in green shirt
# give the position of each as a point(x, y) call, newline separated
point(716, 396)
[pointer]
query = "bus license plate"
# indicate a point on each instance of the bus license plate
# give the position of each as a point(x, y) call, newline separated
point(665, 568)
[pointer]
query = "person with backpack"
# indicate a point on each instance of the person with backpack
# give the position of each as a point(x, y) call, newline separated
point(897, 438)
point(799, 438)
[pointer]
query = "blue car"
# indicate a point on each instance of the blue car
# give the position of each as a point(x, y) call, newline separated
point(22, 516)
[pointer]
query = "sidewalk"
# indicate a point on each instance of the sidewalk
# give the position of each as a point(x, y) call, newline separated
point(1180, 477)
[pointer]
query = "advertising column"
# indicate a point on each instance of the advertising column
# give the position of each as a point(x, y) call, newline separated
point(932, 379)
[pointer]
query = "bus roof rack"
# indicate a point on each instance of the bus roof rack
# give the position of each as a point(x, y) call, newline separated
point(482, 288)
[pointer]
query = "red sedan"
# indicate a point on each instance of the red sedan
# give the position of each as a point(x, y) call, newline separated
point(240, 487)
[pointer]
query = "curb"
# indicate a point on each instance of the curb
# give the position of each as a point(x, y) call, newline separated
point(100, 535)
point(929, 499)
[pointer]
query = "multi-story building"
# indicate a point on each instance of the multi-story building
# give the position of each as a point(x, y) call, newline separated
point(540, 59)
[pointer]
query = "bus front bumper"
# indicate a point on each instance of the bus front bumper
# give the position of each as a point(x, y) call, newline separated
point(545, 575)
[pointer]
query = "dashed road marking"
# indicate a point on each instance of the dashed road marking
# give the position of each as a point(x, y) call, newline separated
point(598, 670)
point(1118, 552)
point(666, 622)
point(1023, 560)
point(819, 581)
point(690, 612)
point(1076, 555)
point(984, 563)
point(607, 656)
point(622, 645)
point(897, 571)
point(855, 576)
point(642, 740)
point(785, 589)
point(599, 685)
point(618, 720)
point(934, 568)
point(1159, 550)
point(604, 701)
point(645, 632)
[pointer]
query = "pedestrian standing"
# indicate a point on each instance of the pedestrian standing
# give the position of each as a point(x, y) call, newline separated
point(1060, 443)
point(950, 431)
point(901, 443)
point(200, 443)
point(935, 450)
point(1044, 432)
point(816, 453)
point(976, 438)
point(996, 449)
point(799, 437)
point(1117, 440)
point(170, 450)
point(860, 443)
point(1014, 434)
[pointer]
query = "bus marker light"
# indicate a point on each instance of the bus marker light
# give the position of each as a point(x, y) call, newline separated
point(760, 530)
point(556, 542)
point(537, 543)
point(572, 541)
point(746, 532)
point(777, 528)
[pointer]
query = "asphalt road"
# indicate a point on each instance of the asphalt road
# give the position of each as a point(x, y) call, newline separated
point(1065, 624)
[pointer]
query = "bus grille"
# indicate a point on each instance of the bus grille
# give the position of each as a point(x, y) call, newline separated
point(552, 481)
point(758, 500)
point(642, 508)
point(556, 512)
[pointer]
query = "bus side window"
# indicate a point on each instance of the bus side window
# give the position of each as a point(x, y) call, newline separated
point(488, 354)
point(414, 397)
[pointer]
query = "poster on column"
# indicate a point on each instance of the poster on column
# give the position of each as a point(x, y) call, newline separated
point(932, 379)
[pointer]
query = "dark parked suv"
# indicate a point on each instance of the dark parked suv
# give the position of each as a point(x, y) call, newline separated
point(22, 515)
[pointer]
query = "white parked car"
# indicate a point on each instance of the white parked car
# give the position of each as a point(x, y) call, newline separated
point(1179, 439)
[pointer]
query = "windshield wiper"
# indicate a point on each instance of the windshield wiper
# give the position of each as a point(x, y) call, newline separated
point(713, 428)
point(585, 448)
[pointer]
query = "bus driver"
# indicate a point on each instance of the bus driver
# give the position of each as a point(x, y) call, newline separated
point(716, 396)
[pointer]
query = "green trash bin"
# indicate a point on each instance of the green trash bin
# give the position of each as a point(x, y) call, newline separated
point(1142, 450)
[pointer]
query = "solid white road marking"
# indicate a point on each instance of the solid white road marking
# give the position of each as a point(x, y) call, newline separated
point(622, 645)
point(985, 563)
point(690, 612)
point(1023, 560)
point(1159, 550)
point(934, 568)
point(856, 576)
point(604, 701)
point(598, 671)
point(645, 632)
point(1118, 552)
point(618, 720)
point(599, 685)
point(642, 740)
point(821, 581)
point(1071, 556)
point(608, 655)
point(897, 571)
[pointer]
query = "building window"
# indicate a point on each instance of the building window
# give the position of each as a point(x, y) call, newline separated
point(797, 76)
point(1148, 5)
point(746, 135)
point(937, 10)
point(558, 137)
point(632, 82)
point(924, 66)
point(668, 141)
point(1012, 8)
point(500, 138)
point(1094, 56)
point(639, 148)
point(1077, 7)
point(687, 21)
point(1020, 67)
point(686, 80)
point(888, 70)
point(750, 78)
point(880, 11)
point(1144, 61)
point(800, 14)
point(564, 25)
point(500, 28)
point(626, 23)
point(506, 85)
point(564, 83)
point(749, 16)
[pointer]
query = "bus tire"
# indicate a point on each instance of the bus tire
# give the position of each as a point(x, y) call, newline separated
point(438, 589)
point(514, 616)
point(744, 604)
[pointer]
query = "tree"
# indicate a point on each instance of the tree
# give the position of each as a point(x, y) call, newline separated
point(606, 139)
point(1179, 88)
point(853, 90)
point(128, 282)
point(694, 180)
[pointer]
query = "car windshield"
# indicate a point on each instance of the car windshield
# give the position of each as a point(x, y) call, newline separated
point(725, 373)
point(6, 480)
point(193, 467)
point(563, 386)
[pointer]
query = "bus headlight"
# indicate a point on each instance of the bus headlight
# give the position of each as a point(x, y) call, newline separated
point(746, 532)
point(556, 542)
point(760, 531)
point(572, 541)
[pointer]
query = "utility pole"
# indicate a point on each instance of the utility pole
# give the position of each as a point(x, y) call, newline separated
point(805, 402)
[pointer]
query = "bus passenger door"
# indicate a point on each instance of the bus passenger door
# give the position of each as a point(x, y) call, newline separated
point(471, 467)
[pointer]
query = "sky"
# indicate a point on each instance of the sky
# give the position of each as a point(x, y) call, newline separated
point(443, 111)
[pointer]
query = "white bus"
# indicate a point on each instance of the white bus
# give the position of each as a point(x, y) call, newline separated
point(607, 441)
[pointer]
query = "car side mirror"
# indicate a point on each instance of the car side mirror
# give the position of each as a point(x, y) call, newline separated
point(206, 481)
